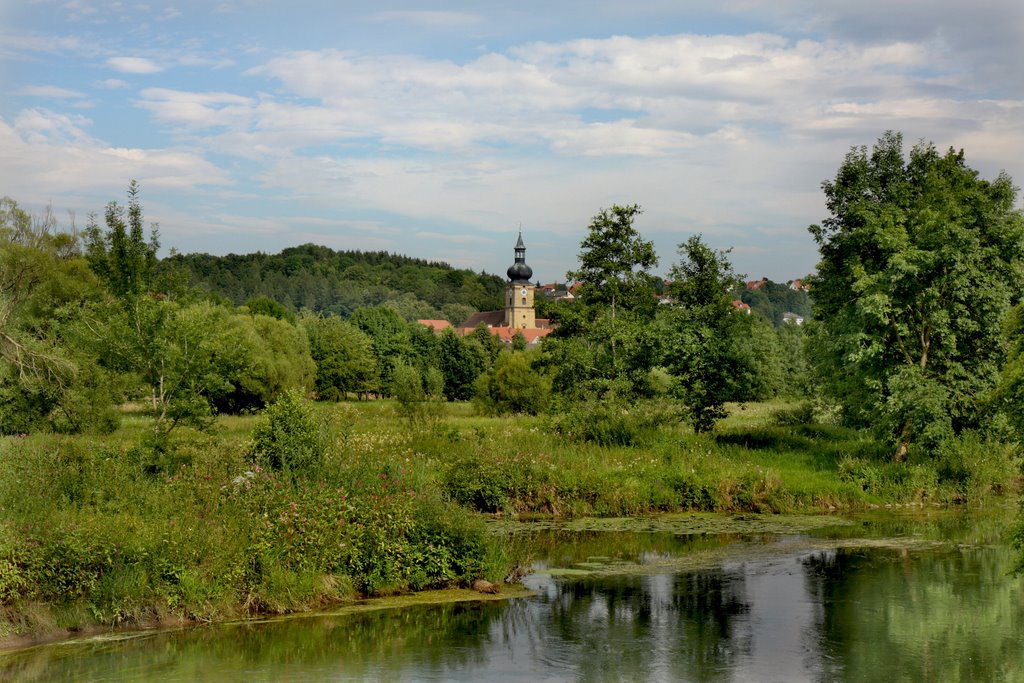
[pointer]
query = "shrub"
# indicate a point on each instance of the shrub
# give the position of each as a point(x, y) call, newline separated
point(800, 414)
point(511, 386)
point(974, 466)
point(407, 386)
point(289, 437)
point(612, 423)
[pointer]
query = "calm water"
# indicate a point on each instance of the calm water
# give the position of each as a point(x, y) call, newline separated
point(885, 599)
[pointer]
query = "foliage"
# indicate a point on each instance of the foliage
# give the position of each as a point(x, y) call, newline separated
point(340, 282)
point(264, 305)
point(511, 386)
point(390, 337)
point(605, 330)
point(614, 261)
point(344, 357)
point(755, 359)
point(492, 347)
point(279, 360)
point(1007, 399)
point(975, 466)
point(121, 256)
point(921, 260)
point(289, 437)
point(407, 385)
point(46, 381)
point(89, 537)
point(698, 332)
point(613, 423)
point(796, 381)
point(461, 361)
point(774, 299)
point(187, 357)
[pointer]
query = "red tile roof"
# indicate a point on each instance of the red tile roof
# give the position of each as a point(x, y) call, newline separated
point(436, 325)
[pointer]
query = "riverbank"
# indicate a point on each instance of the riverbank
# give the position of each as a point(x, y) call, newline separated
point(681, 585)
point(114, 531)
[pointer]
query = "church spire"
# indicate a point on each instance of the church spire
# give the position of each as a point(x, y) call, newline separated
point(519, 272)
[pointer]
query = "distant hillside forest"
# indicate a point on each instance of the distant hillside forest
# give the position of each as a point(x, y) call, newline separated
point(339, 282)
point(774, 299)
point(323, 280)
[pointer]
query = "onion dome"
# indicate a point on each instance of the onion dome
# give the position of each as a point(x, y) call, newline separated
point(519, 272)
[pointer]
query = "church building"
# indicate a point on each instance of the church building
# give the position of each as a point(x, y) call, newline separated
point(519, 314)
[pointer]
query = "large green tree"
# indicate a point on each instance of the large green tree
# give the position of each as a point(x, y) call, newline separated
point(604, 332)
point(920, 261)
point(390, 336)
point(698, 332)
point(615, 262)
point(186, 360)
point(344, 357)
point(461, 360)
point(511, 386)
point(46, 381)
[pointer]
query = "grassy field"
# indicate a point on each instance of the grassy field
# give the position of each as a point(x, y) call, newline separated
point(119, 530)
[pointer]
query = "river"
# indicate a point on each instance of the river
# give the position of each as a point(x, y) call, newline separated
point(882, 597)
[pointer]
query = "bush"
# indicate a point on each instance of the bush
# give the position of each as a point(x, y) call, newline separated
point(511, 386)
point(800, 414)
point(974, 466)
point(407, 386)
point(612, 423)
point(289, 437)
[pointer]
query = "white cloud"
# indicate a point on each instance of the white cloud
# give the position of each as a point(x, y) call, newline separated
point(460, 238)
point(729, 135)
point(622, 95)
point(724, 135)
point(134, 65)
point(45, 153)
point(195, 60)
point(50, 91)
point(78, 10)
point(198, 110)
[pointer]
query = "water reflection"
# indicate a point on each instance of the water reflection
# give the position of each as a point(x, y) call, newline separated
point(770, 609)
point(891, 617)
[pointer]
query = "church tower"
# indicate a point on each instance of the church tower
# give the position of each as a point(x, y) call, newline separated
point(519, 313)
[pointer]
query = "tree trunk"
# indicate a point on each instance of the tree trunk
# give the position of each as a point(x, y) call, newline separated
point(904, 443)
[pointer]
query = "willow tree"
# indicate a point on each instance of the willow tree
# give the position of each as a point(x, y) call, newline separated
point(921, 259)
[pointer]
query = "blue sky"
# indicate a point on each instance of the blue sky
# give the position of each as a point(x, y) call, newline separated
point(437, 129)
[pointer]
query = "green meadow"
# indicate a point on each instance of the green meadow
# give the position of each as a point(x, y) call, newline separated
point(128, 530)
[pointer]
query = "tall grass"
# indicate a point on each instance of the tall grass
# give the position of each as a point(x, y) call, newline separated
point(121, 530)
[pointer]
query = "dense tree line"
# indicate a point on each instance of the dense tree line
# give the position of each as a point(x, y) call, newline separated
point(90, 321)
point(921, 265)
point(93, 320)
point(616, 345)
point(326, 281)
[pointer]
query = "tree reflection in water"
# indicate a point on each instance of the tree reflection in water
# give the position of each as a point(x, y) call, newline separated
point(781, 612)
point(891, 615)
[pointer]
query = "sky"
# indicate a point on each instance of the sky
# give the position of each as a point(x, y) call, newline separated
point(440, 129)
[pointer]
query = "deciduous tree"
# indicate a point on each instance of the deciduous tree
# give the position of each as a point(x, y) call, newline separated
point(920, 261)
point(698, 332)
point(615, 302)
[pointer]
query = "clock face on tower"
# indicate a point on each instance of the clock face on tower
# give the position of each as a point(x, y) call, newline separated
point(523, 292)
